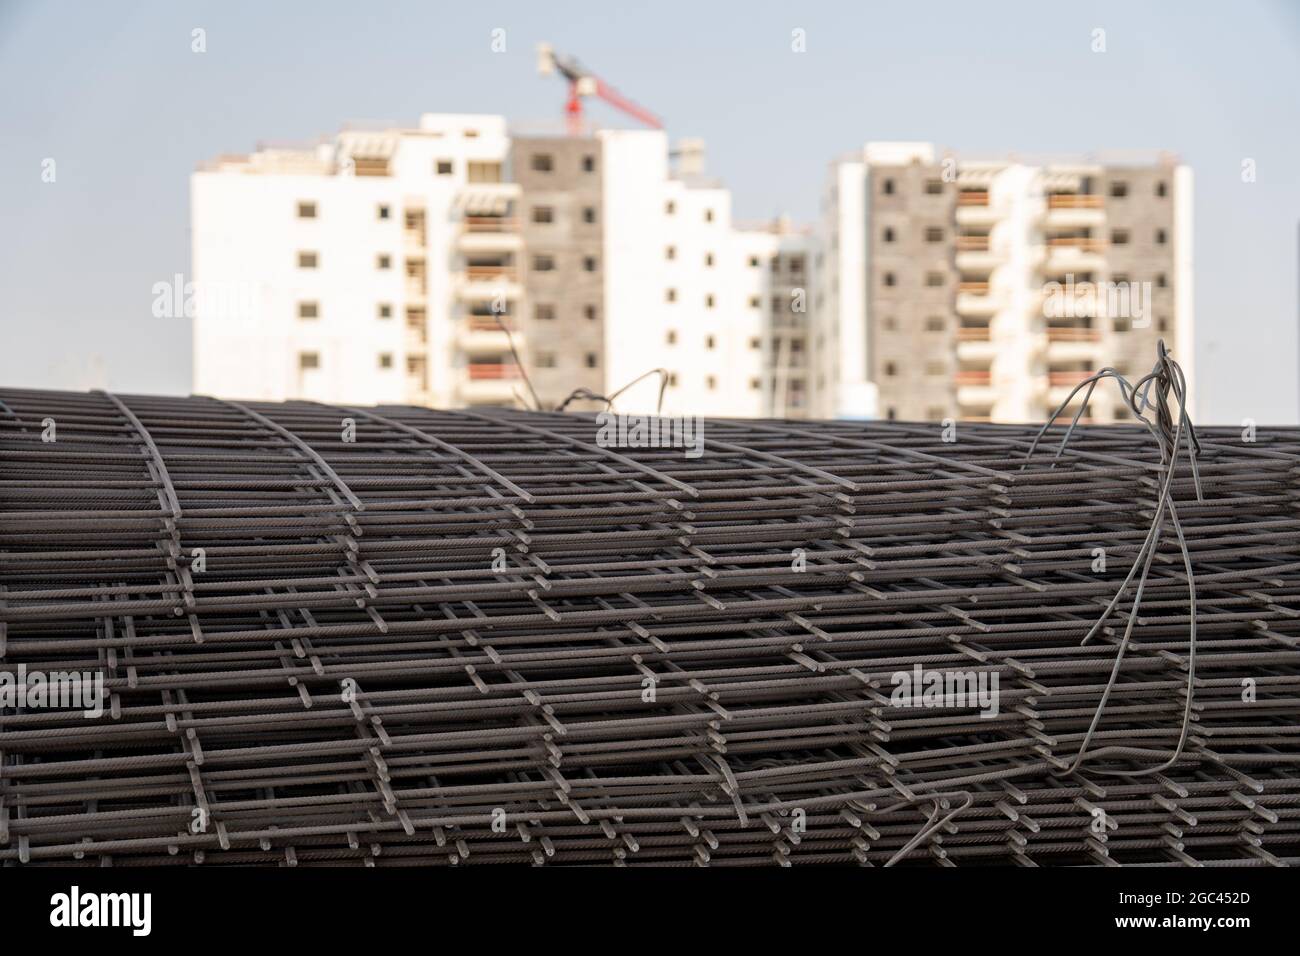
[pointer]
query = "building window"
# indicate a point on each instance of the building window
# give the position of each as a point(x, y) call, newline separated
point(753, 384)
point(1123, 325)
point(308, 310)
point(890, 369)
point(933, 234)
point(934, 323)
point(542, 162)
point(385, 310)
point(708, 215)
point(443, 166)
point(383, 211)
point(545, 360)
point(887, 187)
point(589, 215)
point(708, 259)
point(755, 343)
point(672, 337)
point(934, 186)
point(1161, 237)
point(484, 172)
point(672, 379)
point(891, 413)
point(1162, 324)
point(671, 295)
point(709, 341)
point(670, 252)
point(590, 312)
point(753, 262)
point(306, 210)
point(1162, 281)
point(385, 359)
point(592, 360)
point(1119, 190)
point(754, 302)
point(933, 279)
point(670, 207)
point(796, 263)
point(308, 360)
point(543, 312)
point(1119, 237)
point(588, 163)
point(889, 234)
point(890, 324)
point(589, 263)
point(543, 263)
point(708, 301)
point(306, 260)
point(543, 214)
point(383, 261)
point(1161, 189)
point(890, 279)
point(711, 383)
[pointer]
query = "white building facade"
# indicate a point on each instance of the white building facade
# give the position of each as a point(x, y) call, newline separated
point(379, 267)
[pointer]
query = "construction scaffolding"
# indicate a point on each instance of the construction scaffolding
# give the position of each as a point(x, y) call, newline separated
point(369, 636)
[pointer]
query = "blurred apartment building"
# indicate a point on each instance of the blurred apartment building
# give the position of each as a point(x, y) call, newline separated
point(374, 267)
point(987, 290)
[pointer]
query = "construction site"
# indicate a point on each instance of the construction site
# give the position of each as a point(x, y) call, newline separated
point(388, 636)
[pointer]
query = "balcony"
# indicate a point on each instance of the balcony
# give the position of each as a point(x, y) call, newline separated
point(490, 371)
point(1074, 211)
point(1056, 334)
point(975, 343)
point(413, 224)
point(489, 224)
point(974, 387)
point(490, 234)
point(975, 209)
point(489, 382)
point(1074, 254)
point(491, 273)
point(482, 281)
point(1073, 201)
point(1083, 243)
point(1073, 344)
point(481, 333)
point(977, 254)
point(973, 299)
point(1067, 379)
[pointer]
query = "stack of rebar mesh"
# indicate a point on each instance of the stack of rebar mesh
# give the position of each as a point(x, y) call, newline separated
point(370, 636)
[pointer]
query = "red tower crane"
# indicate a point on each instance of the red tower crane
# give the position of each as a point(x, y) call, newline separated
point(582, 83)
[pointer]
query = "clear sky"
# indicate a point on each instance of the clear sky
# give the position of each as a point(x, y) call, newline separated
point(112, 92)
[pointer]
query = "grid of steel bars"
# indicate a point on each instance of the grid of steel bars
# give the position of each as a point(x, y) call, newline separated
point(370, 636)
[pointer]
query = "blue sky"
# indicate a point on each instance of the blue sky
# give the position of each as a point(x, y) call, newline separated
point(112, 92)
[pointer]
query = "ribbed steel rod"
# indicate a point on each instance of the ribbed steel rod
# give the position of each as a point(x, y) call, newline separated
point(338, 635)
